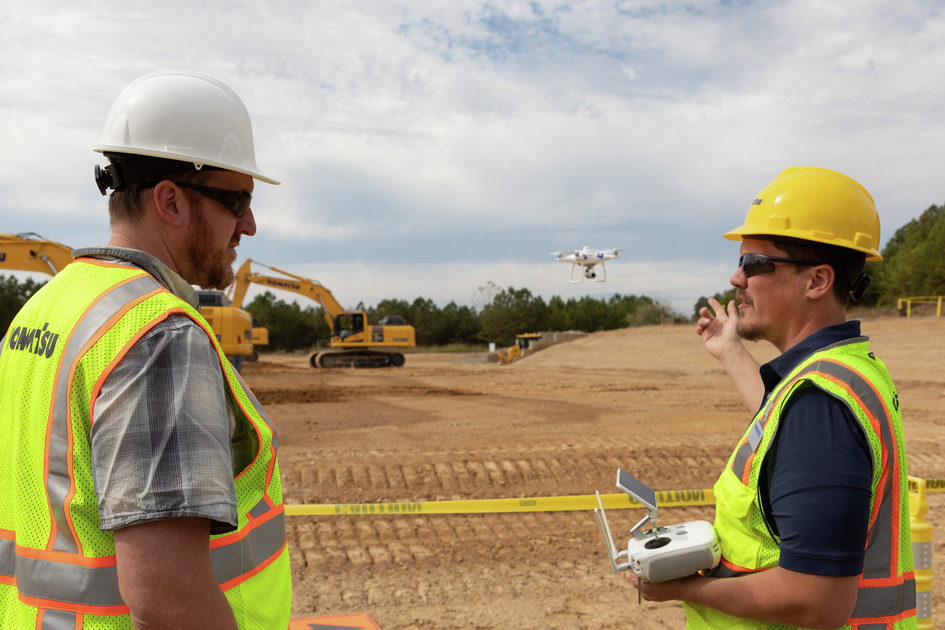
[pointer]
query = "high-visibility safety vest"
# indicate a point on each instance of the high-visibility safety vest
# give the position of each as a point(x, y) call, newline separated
point(57, 567)
point(886, 598)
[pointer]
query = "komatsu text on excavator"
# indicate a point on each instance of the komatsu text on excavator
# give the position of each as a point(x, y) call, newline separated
point(354, 343)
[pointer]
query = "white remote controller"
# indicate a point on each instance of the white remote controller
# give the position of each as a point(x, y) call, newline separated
point(662, 553)
point(674, 552)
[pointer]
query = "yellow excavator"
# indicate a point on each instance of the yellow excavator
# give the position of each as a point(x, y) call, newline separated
point(30, 252)
point(233, 327)
point(353, 343)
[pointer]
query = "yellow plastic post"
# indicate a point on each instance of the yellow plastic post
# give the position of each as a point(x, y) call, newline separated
point(921, 552)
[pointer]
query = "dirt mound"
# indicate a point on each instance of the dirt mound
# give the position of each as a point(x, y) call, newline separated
point(557, 422)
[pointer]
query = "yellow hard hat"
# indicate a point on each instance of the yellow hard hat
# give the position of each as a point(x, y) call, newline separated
point(814, 204)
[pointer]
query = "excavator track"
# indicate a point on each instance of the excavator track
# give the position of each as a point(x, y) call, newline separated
point(355, 359)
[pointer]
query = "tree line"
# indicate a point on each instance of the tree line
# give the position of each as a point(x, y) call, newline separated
point(504, 313)
point(913, 265)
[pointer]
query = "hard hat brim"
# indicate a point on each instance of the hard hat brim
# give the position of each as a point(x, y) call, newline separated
point(183, 157)
point(748, 231)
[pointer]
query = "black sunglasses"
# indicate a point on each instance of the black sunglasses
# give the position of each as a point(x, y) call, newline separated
point(236, 201)
point(754, 264)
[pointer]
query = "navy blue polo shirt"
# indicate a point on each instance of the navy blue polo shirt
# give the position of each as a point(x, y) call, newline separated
point(816, 480)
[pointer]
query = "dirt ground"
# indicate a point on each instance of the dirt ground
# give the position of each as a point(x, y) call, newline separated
point(557, 422)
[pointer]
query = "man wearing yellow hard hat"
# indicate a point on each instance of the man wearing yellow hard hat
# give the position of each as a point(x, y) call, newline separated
point(812, 509)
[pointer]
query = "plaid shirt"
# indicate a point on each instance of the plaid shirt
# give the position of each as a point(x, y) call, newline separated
point(163, 432)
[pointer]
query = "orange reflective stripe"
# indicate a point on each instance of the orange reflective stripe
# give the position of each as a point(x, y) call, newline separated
point(734, 569)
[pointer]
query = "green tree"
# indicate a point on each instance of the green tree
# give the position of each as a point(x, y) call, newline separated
point(13, 295)
point(458, 324)
point(511, 312)
point(913, 261)
point(723, 298)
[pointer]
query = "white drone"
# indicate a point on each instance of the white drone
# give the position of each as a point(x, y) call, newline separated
point(587, 258)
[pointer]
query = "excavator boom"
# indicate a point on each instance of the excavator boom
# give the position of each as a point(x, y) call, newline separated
point(31, 252)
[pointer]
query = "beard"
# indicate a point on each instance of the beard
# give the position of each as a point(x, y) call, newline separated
point(744, 330)
point(750, 334)
point(214, 269)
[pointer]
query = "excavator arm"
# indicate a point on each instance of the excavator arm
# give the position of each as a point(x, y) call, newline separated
point(31, 252)
point(291, 282)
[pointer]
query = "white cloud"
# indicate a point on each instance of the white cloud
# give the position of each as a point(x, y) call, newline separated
point(423, 135)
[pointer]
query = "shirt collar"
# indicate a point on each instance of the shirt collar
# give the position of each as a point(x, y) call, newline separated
point(775, 370)
point(161, 272)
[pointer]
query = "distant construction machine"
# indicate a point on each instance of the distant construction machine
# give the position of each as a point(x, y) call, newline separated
point(353, 343)
point(234, 328)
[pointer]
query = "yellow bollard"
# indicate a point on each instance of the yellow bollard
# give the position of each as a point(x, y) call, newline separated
point(921, 552)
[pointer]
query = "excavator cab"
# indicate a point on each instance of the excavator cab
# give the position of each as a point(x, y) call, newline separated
point(348, 324)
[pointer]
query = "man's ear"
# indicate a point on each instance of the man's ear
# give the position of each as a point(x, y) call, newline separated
point(170, 202)
point(821, 281)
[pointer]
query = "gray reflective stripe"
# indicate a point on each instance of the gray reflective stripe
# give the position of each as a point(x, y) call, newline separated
point(98, 586)
point(68, 583)
point(7, 558)
point(745, 450)
point(58, 620)
point(884, 601)
point(239, 557)
point(259, 509)
point(923, 605)
point(59, 480)
point(879, 546)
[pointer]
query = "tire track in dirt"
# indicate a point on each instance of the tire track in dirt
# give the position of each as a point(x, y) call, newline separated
point(515, 473)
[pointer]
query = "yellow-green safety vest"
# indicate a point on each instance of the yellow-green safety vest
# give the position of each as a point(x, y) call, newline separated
point(886, 599)
point(57, 567)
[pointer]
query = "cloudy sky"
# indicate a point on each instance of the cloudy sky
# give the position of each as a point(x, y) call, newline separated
point(430, 147)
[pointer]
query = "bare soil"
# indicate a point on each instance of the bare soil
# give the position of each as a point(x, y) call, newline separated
point(556, 422)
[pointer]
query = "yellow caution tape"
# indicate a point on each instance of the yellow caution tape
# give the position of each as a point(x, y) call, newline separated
point(616, 501)
point(931, 485)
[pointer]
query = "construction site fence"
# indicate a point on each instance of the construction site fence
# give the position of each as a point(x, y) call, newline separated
point(920, 299)
point(920, 527)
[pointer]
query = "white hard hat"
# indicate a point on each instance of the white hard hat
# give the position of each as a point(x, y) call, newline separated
point(183, 116)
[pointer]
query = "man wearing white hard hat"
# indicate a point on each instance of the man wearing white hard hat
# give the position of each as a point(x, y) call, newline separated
point(146, 490)
point(812, 509)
